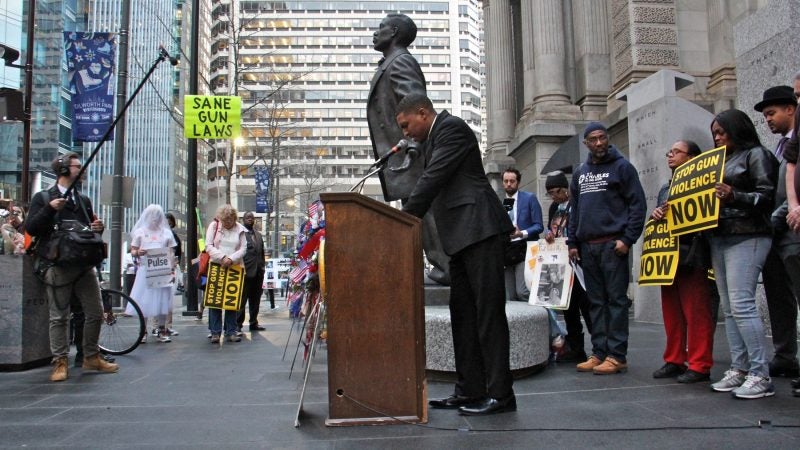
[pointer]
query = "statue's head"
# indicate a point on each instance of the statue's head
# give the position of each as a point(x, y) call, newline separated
point(397, 29)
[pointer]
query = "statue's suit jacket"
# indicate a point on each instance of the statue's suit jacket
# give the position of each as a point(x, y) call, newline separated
point(398, 75)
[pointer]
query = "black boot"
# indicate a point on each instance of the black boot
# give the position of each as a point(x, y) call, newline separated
point(575, 351)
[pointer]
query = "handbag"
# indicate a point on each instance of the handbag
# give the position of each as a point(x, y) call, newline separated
point(73, 244)
point(515, 252)
point(698, 255)
point(205, 258)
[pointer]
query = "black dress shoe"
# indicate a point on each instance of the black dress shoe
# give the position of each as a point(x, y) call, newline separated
point(691, 376)
point(669, 370)
point(796, 392)
point(490, 406)
point(453, 402)
point(257, 328)
point(796, 383)
point(783, 368)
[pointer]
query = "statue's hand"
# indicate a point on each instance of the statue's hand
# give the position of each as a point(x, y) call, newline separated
point(411, 155)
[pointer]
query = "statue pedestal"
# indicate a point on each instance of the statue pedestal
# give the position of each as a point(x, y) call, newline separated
point(24, 316)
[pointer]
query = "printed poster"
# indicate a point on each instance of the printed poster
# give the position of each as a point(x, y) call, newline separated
point(693, 204)
point(659, 262)
point(158, 267)
point(224, 287)
point(548, 268)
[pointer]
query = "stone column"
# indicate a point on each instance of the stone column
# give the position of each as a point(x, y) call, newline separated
point(548, 36)
point(592, 54)
point(528, 59)
point(499, 81)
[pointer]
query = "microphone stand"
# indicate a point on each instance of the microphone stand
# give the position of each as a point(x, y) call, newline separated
point(360, 184)
point(161, 57)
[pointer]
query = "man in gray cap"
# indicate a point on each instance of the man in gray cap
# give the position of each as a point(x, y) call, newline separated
point(608, 209)
point(782, 286)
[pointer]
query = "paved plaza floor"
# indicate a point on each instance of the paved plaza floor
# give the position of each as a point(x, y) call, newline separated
point(192, 394)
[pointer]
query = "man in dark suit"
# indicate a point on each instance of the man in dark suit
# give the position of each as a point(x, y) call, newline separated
point(254, 268)
point(398, 75)
point(475, 228)
point(526, 214)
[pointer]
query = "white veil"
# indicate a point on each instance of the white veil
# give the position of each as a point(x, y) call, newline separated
point(152, 219)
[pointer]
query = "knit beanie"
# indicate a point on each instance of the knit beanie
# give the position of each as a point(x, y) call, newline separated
point(593, 126)
point(556, 180)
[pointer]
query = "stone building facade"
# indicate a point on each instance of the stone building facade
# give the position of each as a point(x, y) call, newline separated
point(557, 64)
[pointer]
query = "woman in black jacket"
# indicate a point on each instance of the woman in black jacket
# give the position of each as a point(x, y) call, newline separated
point(739, 247)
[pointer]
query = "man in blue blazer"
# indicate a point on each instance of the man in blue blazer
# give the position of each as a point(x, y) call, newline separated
point(474, 227)
point(526, 214)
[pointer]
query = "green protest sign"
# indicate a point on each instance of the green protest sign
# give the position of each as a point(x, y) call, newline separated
point(212, 117)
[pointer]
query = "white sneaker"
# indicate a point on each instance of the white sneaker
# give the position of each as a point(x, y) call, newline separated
point(730, 381)
point(172, 332)
point(755, 386)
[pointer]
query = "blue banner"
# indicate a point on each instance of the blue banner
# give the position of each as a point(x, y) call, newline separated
point(262, 189)
point(90, 66)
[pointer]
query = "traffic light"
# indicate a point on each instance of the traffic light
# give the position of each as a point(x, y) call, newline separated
point(9, 55)
point(10, 105)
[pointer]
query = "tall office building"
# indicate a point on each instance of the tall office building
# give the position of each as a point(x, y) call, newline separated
point(10, 132)
point(148, 121)
point(303, 70)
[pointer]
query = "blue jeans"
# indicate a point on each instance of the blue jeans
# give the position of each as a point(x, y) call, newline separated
point(737, 261)
point(607, 276)
point(215, 321)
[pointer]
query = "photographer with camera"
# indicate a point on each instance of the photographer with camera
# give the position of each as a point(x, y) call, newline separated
point(59, 225)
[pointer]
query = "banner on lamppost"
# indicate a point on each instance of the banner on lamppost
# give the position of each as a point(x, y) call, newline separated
point(90, 65)
point(262, 189)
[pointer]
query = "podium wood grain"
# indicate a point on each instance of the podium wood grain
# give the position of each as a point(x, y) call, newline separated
point(376, 315)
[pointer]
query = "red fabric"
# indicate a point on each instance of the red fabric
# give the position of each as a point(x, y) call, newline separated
point(687, 320)
point(312, 245)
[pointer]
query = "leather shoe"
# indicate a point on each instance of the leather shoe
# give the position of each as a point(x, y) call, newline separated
point(796, 383)
point(692, 376)
point(453, 402)
point(669, 370)
point(490, 406)
point(784, 368)
point(796, 392)
point(257, 328)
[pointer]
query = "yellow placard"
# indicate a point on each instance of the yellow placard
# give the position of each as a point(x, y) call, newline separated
point(693, 204)
point(659, 262)
point(212, 116)
point(224, 287)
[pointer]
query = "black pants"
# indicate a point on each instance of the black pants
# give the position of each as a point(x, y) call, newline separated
point(252, 296)
point(271, 295)
point(781, 302)
point(478, 314)
point(578, 306)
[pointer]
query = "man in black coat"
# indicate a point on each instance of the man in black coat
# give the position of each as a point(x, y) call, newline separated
point(254, 268)
point(62, 283)
point(475, 228)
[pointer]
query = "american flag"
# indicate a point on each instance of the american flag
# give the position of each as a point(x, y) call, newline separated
point(299, 273)
point(313, 209)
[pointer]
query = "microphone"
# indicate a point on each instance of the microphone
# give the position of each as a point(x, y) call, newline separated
point(402, 145)
point(165, 55)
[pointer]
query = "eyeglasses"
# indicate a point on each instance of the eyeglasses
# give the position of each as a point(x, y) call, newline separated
point(596, 139)
point(674, 152)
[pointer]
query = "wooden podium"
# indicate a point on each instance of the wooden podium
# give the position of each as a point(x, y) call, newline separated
point(376, 313)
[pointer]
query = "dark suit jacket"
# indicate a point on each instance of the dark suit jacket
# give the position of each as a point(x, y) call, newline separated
point(529, 215)
point(455, 187)
point(397, 76)
point(254, 263)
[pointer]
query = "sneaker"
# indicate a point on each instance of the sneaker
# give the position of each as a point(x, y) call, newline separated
point(755, 386)
point(610, 366)
point(730, 381)
point(60, 371)
point(172, 332)
point(692, 376)
point(99, 364)
point(154, 332)
point(234, 338)
point(215, 339)
point(210, 335)
point(239, 334)
point(589, 364)
point(164, 338)
point(144, 339)
point(669, 370)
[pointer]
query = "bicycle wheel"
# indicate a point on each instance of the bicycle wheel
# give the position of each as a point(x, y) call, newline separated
point(120, 333)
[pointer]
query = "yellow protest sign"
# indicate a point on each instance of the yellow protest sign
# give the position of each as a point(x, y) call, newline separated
point(224, 287)
point(212, 117)
point(693, 204)
point(659, 262)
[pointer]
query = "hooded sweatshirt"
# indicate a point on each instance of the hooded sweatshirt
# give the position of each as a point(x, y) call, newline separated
point(608, 201)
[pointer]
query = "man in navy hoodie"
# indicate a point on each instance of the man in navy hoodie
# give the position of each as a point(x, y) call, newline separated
point(607, 216)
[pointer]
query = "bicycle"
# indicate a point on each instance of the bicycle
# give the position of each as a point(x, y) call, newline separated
point(120, 333)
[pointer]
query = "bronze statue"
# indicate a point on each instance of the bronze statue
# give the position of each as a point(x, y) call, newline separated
point(398, 75)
